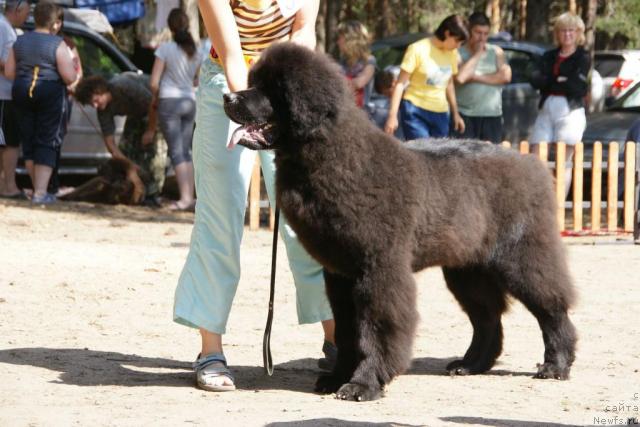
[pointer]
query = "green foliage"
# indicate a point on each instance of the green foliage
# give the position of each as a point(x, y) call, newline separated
point(388, 17)
point(621, 16)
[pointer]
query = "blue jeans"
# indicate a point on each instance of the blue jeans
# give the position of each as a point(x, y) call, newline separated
point(176, 117)
point(420, 123)
point(211, 272)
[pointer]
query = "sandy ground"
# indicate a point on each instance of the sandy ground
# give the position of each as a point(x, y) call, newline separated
point(87, 338)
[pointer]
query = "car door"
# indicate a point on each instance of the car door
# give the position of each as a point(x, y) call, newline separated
point(519, 98)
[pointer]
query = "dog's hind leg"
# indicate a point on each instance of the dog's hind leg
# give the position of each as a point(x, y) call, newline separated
point(340, 295)
point(543, 285)
point(385, 321)
point(481, 296)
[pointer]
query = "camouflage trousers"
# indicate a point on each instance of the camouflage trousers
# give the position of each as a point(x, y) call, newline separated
point(152, 159)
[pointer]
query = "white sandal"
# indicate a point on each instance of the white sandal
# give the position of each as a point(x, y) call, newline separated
point(213, 365)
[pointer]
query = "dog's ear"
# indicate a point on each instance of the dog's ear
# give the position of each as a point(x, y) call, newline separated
point(306, 88)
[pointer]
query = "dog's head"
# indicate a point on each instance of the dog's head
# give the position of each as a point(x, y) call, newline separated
point(293, 94)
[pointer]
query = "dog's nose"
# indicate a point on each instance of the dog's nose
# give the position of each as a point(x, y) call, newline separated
point(229, 97)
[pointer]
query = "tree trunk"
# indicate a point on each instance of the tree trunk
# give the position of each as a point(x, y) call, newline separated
point(321, 36)
point(495, 16)
point(573, 7)
point(385, 25)
point(190, 7)
point(589, 8)
point(538, 21)
point(522, 19)
point(331, 25)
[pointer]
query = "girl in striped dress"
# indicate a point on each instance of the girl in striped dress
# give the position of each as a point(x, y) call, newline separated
point(239, 32)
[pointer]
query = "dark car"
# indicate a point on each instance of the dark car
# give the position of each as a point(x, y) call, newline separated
point(519, 98)
point(83, 148)
point(613, 124)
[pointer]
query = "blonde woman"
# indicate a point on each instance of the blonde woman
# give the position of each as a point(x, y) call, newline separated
point(356, 60)
point(563, 81)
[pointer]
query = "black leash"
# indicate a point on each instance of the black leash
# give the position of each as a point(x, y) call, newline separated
point(266, 342)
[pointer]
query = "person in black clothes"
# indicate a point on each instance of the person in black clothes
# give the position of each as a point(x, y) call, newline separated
point(563, 81)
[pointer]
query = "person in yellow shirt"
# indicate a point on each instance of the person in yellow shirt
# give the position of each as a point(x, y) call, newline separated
point(425, 93)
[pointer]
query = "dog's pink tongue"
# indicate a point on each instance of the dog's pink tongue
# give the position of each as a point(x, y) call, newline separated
point(237, 135)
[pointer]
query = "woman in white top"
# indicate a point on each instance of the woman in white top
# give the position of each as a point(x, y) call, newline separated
point(172, 81)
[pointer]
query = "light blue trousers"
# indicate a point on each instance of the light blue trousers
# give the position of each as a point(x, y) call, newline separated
point(209, 279)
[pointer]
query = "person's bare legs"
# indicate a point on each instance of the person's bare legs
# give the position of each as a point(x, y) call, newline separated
point(9, 163)
point(42, 175)
point(568, 173)
point(28, 164)
point(184, 177)
point(212, 343)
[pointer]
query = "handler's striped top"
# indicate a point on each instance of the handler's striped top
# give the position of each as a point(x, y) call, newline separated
point(260, 23)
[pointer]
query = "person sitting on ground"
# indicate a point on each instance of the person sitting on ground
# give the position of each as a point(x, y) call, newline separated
point(129, 94)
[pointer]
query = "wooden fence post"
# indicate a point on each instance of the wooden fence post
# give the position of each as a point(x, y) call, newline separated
point(561, 151)
point(578, 171)
point(629, 185)
point(612, 187)
point(596, 186)
point(543, 153)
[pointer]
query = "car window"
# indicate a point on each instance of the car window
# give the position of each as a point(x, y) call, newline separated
point(522, 65)
point(633, 99)
point(95, 60)
point(608, 65)
point(389, 56)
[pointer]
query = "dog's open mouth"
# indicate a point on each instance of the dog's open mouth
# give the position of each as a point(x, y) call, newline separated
point(253, 136)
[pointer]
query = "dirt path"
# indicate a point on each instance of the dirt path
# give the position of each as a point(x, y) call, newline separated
point(86, 337)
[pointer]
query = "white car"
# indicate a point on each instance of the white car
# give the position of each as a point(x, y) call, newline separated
point(620, 70)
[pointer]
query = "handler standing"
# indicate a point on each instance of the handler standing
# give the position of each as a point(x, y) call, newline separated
point(239, 31)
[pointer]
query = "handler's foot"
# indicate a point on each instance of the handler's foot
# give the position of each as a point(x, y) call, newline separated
point(328, 362)
point(213, 374)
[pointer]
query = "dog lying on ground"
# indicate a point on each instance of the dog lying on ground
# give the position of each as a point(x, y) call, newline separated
point(117, 183)
point(372, 211)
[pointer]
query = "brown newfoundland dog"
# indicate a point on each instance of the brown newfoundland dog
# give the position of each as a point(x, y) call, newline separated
point(372, 211)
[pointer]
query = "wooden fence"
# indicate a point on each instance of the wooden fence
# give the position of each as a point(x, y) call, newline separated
point(586, 213)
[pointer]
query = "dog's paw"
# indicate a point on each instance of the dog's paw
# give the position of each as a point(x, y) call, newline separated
point(358, 392)
point(459, 367)
point(328, 384)
point(549, 370)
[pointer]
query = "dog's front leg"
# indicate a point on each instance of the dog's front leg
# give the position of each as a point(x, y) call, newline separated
point(385, 321)
point(340, 295)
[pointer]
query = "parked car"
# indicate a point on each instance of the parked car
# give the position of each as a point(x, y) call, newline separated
point(612, 124)
point(608, 126)
point(83, 148)
point(620, 70)
point(519, 98)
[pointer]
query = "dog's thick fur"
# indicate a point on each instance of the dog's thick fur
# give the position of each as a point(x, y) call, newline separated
point(372, 211)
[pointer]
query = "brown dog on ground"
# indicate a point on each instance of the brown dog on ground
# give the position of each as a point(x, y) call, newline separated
point(117, 183)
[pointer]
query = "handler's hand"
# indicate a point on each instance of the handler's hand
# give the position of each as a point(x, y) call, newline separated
point(458, 123)
point(391, 125)
point(147, 137)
